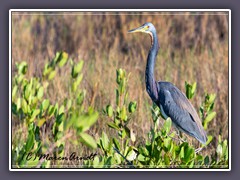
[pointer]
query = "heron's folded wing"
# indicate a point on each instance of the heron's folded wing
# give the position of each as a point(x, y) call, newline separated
point(181, 100)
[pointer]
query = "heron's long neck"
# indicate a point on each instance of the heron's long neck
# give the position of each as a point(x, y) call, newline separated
point(151, 84)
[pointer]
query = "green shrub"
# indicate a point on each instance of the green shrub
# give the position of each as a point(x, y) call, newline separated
point(31, 107)
point(162, 148)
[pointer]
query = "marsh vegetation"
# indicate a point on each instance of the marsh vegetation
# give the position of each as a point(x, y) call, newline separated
point(78, 85)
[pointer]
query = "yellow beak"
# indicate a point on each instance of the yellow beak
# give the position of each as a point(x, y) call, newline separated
point(139, 29)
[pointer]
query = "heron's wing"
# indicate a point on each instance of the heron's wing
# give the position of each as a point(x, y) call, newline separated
point(179, 109)
point(184, 103)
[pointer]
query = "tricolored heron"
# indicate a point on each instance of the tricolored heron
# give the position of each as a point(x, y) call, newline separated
point(171, 101)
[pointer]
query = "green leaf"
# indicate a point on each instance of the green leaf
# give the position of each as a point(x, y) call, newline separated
point(182, 152)
point(51, 75)
point(18, 103)
point(212, 98)
point(61, 109)
point(190, 89)
point(14, 108)
point(208, 119)
point(96, 162)
point(141, 158)
point(41, 122)
point(63, 59)
point(45, 104)
point(47, 69)
point(85, 121)
point(191, 164)
point(108, 162)
point(80, 98)
point(219, 149)
point(57, 57)
point(60, 127)
point(105, 141)
point(27, 91)
point(189, 152)
point(46, 164)
point(225, 149)
point(56, 109)
point(131, 155)
point(24, 106)
point(14, 91)
point(116, 143)
point(77, 68)
point(144, 151)
point(59, 118)
point(117, 97)
point(34, 101)
point(69, 104)
point(30, 141)
point(123, 113)
point(79, 79)
point(117, 158)
point(167, 143)
point(206, 161)
point(167, 125)
point(166, 159)
point(76, 83)
point(22, 68)
point(35, 113)
point(123, 133)
point(219, 139)
point(119, 75)
point(33, 162)
point(40, 93)
point(70, 122)
point(88, 140)
point(51, 110)
point(122, 86)
point(194, 86)
point(125, 98)
point(109, 110)
point(113, 125)
point(132, 107)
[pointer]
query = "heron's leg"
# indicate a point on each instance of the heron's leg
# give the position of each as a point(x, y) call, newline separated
point(179, 138)
point(179, 134)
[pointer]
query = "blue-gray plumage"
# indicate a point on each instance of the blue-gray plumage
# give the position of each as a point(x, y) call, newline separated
point(171, 101)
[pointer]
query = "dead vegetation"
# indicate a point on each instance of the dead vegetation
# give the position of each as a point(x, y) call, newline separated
point(194, 48)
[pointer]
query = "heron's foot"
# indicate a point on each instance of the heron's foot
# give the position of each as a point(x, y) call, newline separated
point(198, 150)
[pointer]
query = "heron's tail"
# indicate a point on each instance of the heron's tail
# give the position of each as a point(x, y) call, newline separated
point(202, 138)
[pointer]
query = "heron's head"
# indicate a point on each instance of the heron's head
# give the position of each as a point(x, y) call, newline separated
point(145, 28)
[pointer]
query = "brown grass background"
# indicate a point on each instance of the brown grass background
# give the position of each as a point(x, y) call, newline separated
point(194, 47)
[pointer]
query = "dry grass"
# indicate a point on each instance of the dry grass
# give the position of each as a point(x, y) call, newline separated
point(193, 48)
